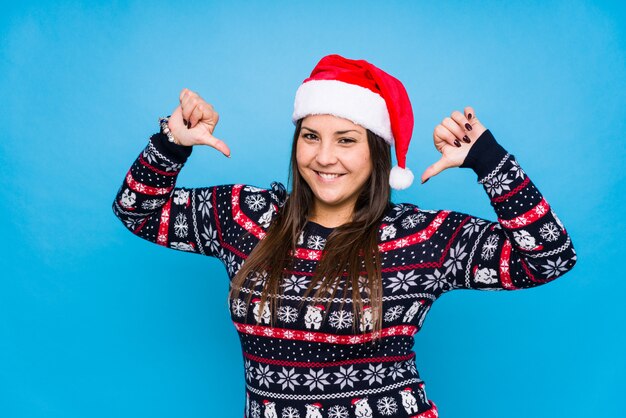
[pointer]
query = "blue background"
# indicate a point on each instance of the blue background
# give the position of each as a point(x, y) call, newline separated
point(97, 323)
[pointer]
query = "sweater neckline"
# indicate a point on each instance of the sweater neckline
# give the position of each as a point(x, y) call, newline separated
point(321, 229)
point(325, 231)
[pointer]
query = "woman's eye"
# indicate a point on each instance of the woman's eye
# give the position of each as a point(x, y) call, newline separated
point(309, 136)
point(346, 140)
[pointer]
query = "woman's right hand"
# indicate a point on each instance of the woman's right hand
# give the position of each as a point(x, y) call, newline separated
point(193, 122)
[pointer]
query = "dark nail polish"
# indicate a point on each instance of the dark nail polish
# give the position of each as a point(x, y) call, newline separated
point(457, 142)
point(466, 139)
point(185, 122)
point(426, 180)
point(189, 125)
point(468, 126)
point(469, 116)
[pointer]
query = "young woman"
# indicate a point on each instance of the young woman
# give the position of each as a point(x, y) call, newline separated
point(337, 279)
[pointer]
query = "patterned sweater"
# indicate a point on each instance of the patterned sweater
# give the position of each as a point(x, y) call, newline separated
point(311, 364)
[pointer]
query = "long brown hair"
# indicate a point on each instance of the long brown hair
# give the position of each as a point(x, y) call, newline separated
point(351, 251)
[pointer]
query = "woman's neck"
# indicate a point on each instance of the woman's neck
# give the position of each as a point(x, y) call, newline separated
point(331, 217)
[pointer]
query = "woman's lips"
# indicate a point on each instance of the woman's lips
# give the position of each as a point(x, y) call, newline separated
point(327, 177)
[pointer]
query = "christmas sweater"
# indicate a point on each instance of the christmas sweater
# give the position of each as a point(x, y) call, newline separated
point(311, 364)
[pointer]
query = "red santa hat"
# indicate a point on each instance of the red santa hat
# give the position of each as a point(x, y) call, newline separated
point(358, 91)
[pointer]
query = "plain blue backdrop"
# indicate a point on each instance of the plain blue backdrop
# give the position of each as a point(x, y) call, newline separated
point(95, 322)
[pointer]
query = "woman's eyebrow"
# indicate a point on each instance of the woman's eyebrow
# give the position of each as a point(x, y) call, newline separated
point(337, 132)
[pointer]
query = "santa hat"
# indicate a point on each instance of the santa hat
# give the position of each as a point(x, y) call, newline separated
point(366, 95)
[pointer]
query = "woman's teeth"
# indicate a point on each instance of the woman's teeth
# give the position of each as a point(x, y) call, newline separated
point(328, 176)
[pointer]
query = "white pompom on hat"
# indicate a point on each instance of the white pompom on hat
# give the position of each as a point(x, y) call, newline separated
point(363, 93)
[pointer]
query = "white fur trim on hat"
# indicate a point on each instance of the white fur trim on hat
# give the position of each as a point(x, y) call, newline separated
point(400, 178)
point(358, 104)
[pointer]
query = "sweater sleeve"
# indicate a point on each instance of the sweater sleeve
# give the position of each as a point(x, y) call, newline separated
point(220, 221)
point(528, 245)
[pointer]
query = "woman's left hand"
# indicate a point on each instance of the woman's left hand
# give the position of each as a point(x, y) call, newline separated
point(453, 138)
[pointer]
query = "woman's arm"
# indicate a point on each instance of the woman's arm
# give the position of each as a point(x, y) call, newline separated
point(151, 207)
point(200, 220)
point(527, 247)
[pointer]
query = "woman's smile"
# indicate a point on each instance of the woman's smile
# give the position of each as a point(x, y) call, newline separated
point(328, 177)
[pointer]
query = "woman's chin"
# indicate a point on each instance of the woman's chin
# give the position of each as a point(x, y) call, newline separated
point(329, 201)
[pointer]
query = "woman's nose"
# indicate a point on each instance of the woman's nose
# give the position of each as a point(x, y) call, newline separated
point(326, 154)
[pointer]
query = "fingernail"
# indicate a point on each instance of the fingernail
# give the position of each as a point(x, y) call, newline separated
point(466, 139)
point(457, 142)
point(185, 122)
point(189, 125)
point(426, 180)
point(469, 116)
point(468, 126)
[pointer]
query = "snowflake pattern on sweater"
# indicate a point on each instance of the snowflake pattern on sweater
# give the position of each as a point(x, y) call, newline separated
point(311, 364)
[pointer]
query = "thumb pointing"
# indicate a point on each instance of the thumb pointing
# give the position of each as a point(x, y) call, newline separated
point(433, 170)
point(219, 145)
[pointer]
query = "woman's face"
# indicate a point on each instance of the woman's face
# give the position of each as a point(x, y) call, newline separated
point(333, 157)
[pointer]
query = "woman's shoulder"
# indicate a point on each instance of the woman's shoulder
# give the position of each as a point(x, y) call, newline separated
point(276, 192)
point(258, 204)
point(407, 217)
point(399, 211)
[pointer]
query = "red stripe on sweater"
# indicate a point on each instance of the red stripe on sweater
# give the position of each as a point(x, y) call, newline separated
point(142, 188)
point(505, 266)
point(321, 337)
point(306, 254)
point(164, 223)
point(527, 218)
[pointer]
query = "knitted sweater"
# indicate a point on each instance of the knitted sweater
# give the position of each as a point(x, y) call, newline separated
point(311, 363)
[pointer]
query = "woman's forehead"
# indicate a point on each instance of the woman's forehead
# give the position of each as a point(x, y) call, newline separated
point(330, 123)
